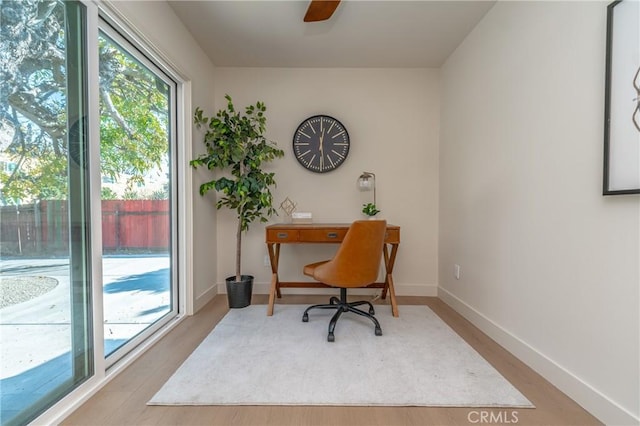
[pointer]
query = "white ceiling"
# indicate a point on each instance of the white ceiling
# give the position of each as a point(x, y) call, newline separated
point(360, 33)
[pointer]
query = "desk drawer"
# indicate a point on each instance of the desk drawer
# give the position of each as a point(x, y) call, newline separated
point(282, 236)
point(322, 235)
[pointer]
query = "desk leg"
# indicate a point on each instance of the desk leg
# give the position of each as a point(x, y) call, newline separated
point(273, 259)
point(385, 253)
point(277, 260)
point(392, 293)
point(389, 261)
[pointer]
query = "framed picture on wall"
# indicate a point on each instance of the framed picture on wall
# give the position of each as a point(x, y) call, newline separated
point(622, 99)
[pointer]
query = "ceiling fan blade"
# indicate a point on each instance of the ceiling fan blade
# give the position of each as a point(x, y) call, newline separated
point(320, 10)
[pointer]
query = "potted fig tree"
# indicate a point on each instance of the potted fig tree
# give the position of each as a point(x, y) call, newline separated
point(236, 150)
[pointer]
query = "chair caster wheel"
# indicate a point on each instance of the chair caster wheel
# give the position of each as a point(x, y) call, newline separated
point(378, 331)
point(371, 311)
point(331, 338)
point(305, 317)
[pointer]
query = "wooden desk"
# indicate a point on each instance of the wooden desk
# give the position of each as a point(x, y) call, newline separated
point(324, 233)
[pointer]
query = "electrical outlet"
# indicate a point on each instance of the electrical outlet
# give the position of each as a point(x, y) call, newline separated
point(266, 260)
point(456, 271)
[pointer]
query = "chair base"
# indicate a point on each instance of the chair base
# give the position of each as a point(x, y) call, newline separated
point(341, 305)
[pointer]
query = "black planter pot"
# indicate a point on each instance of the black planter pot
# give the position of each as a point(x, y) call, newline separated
point(239, 292)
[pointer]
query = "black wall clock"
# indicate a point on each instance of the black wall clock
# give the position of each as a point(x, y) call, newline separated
point(321, 143)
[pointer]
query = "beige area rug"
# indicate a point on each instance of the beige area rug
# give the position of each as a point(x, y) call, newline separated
point(252, 359)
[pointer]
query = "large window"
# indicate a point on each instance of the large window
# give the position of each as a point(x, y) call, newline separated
point(77, 294)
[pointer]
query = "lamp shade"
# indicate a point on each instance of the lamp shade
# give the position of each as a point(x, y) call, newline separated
point(367, 182)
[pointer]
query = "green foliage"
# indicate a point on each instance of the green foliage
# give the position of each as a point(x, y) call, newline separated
point(370, 209)
point(134, 115)
point(134, 111)
point(235, 143)
point(160, 194)
point(108, 194)
point(130, 194)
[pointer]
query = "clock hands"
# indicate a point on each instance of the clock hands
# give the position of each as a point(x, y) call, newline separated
point(322, 149)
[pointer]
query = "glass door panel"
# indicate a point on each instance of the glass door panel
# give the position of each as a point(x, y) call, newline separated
point(45, 310)
point(136, 134)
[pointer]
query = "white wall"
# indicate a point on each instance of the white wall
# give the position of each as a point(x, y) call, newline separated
point(550, 268)
point(162, 27)
point(392, 117)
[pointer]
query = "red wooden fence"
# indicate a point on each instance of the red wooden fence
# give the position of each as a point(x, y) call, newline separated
point(135, 224)
point(43, 228)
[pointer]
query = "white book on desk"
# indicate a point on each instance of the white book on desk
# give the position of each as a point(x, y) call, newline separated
point(301, 217)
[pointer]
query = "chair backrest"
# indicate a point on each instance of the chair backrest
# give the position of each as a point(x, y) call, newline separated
point(357, 260)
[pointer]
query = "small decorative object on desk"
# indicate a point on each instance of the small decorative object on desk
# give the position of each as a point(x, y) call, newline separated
point(370, 210)
point(288, 207)
point(301, 217)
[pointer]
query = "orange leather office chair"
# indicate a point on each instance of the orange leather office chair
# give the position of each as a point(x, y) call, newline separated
point(355, 264)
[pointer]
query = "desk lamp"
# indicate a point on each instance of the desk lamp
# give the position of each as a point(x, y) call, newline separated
point(367, 182)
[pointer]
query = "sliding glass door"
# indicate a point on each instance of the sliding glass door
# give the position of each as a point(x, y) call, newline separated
point(137, 121)
point(59, 227)
point(45, 307)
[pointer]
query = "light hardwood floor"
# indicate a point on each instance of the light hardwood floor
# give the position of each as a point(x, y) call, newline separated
point(123, 400)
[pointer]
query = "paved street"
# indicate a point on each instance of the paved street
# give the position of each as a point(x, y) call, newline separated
point(35, 335)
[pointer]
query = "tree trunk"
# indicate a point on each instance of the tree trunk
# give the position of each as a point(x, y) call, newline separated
point(239, 232)
point(238, 248)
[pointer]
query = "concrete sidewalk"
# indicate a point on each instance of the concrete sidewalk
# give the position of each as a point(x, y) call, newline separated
point(35, 335)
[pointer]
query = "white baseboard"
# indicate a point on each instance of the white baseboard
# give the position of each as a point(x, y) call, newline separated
point(206, 297)
point(429, 290)
point(401, 290)
point(588, 397)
